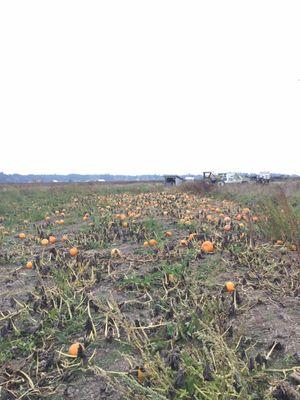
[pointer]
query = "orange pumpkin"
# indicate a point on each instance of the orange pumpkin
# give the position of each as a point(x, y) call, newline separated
point(44, 242)
point(230, 287)
point(64, 238)
point(74, 251)
point(183, 242)
point(152, 242)
point(207, 247)
point(52, 239)
point(146, 244)
point(168, 234)
point(29, 265)
point(74, 349)
point(22, 235)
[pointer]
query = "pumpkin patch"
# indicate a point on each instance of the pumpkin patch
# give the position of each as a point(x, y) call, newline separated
point(151, 294)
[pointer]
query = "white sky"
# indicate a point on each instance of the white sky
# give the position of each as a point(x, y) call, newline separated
point(156, 86)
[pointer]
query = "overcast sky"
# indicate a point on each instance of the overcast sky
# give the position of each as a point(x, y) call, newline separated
point(156, 86)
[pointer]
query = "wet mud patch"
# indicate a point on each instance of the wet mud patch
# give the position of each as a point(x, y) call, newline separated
point(269, 324)
point(16, 284)
point(87, 387)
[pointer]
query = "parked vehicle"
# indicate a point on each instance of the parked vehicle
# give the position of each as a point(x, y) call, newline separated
point(264, 177)
point(233, 177)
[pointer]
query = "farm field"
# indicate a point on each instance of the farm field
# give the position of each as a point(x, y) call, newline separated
point(138, 292)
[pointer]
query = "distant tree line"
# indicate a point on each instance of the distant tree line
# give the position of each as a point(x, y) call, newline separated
point(31, 178)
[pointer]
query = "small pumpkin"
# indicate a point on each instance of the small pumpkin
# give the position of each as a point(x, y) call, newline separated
point(29, 265)
point(152, 242)
point(74, 251)
point(44, 242)
point(74, 349)
point(52, 239)
point(207, 247)
point(230, 286)
point(22, 235)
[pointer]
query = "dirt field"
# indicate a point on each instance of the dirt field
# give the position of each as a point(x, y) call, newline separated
point(145, 295)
